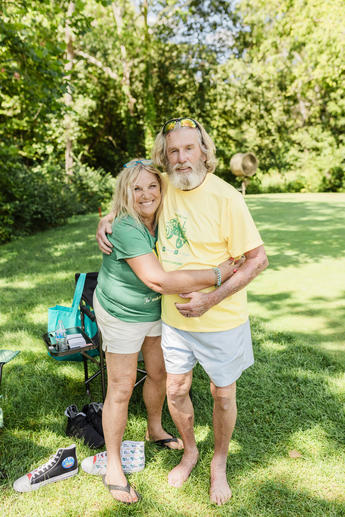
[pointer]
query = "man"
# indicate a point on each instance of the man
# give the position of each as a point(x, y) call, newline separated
point(203, 221)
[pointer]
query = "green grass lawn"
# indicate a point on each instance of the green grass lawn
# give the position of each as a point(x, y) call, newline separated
point(291, 400)
point(303, 291)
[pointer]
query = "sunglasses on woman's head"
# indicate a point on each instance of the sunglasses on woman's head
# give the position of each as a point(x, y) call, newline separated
point(133, 163)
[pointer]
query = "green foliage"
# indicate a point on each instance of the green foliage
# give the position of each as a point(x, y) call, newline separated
point(92, 189)
point(275, 183)
point(32, 199)
point(334, 180)
point(262, 76)
point(36, 198)
point(281, 89)
point(31, 72)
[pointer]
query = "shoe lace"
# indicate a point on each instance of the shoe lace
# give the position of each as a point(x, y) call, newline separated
point(43, 468)
point(71, 411)
point(97, 406)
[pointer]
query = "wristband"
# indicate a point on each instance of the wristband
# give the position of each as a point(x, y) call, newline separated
point(218, 276)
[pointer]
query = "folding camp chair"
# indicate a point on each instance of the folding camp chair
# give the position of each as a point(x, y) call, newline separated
point(86, 309)
point(83, 351)
point(86, 351)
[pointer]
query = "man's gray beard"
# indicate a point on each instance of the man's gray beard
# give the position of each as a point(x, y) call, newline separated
point(187, 180)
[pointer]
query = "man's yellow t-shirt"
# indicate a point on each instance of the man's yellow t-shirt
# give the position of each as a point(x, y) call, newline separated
point(199, 229)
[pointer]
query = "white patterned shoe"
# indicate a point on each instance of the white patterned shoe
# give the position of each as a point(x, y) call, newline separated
point(96, 465)
point(132, 459)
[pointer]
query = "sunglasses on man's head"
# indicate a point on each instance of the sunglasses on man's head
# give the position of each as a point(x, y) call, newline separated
point(180, 122)
point(133, 163)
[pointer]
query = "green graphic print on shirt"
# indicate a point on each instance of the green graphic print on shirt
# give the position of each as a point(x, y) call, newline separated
point(175, 229)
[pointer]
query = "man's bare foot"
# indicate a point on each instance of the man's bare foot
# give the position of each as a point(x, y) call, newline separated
point(220, 491)
point(163, 435)
point(178, 475)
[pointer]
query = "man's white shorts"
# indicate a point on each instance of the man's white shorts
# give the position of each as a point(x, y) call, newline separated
point(123, 337)
point(223, 355)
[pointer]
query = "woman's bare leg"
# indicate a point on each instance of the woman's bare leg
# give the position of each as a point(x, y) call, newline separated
point(121, 369)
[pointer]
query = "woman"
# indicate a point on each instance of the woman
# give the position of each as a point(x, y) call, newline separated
point(127, 307)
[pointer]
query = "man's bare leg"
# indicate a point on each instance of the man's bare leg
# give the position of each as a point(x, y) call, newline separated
point(182, 413)
point(224, 419)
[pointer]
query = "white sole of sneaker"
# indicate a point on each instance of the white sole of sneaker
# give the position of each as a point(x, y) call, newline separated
point(36, 486)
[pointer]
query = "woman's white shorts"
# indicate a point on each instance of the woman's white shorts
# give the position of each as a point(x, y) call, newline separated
point(123, 337)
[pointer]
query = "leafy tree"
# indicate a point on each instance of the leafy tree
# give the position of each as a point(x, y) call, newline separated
point(281, 89)
point(31, 71)
point(99, 77)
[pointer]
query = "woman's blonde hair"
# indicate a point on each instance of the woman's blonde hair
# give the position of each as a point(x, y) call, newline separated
point(159, 154)
point(123, 202)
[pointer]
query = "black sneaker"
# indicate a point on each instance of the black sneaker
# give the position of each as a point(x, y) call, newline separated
point(77, 425)
point(93, 413)
point(62, 465)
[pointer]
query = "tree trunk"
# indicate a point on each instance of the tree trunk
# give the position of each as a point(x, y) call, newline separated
point(149, 101)
point(130, 123)
point(68, 95)
point(126, 65)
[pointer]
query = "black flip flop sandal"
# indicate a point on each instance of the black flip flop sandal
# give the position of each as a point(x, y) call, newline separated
point(120, 488)
point(164, 442)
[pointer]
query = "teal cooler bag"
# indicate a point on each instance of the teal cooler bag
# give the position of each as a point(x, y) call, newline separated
point(70, 317)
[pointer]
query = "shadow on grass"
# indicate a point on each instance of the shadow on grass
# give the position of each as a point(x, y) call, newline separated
point(276, 499)
point(39, 270)
point(287, 391)
point(36, 390)
point(64, 249)
point(309, 230)
point(283, 304)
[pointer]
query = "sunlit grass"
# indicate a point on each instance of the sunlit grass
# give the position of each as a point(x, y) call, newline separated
point(303, 290)
point(291, 400)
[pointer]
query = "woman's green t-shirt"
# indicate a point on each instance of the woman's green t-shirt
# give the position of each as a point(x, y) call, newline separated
point(119, 291)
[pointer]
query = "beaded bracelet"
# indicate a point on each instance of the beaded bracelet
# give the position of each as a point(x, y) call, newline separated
point(218, 276)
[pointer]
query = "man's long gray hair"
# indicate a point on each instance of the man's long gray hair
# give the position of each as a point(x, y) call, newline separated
point(159, 155)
